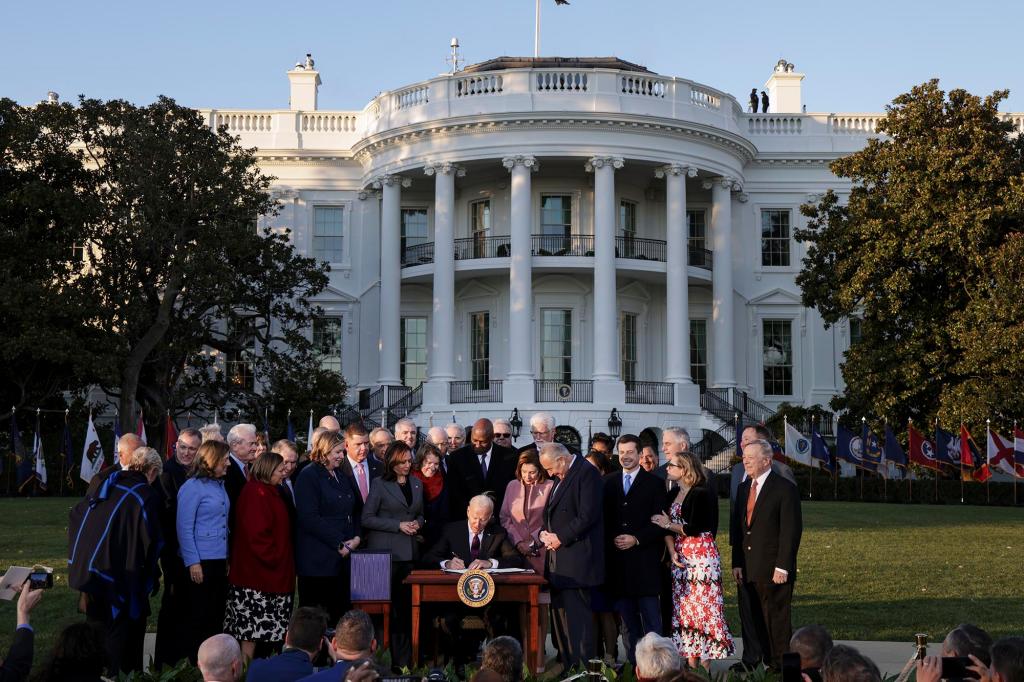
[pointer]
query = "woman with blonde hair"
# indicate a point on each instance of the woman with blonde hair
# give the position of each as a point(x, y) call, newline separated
point(699, 629)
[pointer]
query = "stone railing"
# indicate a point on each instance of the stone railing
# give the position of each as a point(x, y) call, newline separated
point(482, 84)
point(286, 129)
point(412, 97)
point(775, 124)
point(329, 122)
point(854, 124)
point(647, 86)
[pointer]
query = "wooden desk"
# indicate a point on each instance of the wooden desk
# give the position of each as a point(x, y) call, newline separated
point(435, 586)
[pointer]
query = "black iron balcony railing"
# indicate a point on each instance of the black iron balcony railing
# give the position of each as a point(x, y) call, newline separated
point(700, 258)
point(475, 391)
point(418, 254)
point(640, 248)
point(558, 391)
point(562, 245)
point(467, 248)
point(650, 393)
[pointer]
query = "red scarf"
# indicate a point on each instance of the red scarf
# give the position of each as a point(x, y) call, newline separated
point(431, 486)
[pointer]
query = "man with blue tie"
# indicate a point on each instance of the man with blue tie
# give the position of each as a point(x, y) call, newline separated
point(633, 545)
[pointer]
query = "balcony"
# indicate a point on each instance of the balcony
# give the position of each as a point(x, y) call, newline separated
point(650, 393)
point(557, 391)
point(562, 245)
point(475, 392)
point(639, 248)
point(468, 248)
point(418, 254)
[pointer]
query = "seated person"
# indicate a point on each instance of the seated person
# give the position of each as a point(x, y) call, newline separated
point(846, 664)
point(352, 643)
point(813, 643)
point(963, 640)
point(656, 656)
point(220, 659)
point(301, 643)
point(504, 657)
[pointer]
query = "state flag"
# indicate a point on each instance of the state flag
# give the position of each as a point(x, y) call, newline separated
point(798, 446)
point(291, 428)
point(922, 450)
point(873, 453)
point(170, 437)
point(24, 465)
point(820, 451)
point(37, 456)
point(849, 447)
point(947, 447)
point(1000, 453)
point(893, 451)
point(92, 453)
point(1018, 452)
point(140, 429)
point(309, 434)
point(970, 456)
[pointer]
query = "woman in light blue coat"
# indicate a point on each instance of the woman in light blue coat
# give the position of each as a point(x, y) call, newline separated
point(202, 525)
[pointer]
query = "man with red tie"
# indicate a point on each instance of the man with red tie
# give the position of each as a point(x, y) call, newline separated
point(766, 530)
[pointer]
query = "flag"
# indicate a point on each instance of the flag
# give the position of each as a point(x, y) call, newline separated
point(140, 429)
point(92, 453)
point(1000, 453)
point(874, 453)
point(1018, 451)
point(25, 466)
point(266, 427)
point(309, 434)
point(847, 470)
point(37, 452)
point(798, 446)
point(170, 437)
point(117, 432)
point(849, 447)
point(970, 456)
point(820, 451)
point(983, 473)
point(922, 450)
point(947, 447)
point(65, 451)
point(291, 428)
point(777, 453)
point(739, 435)
point(893, 452)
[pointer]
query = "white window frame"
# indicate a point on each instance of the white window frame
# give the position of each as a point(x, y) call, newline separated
point(347, 216)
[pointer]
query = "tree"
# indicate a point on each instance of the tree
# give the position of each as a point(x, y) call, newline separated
point(912, 251)
point(177, 277)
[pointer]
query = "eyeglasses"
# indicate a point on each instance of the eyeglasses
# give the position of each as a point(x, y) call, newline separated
point(673, 465)
point(503, 435)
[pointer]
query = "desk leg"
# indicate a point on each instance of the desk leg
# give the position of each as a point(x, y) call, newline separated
point(535, 644)
point(416, 594)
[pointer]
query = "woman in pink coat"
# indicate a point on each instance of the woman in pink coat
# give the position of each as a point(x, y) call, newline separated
point(522, 511)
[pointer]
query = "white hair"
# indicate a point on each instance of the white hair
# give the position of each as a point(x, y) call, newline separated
point(679, 433)
point(656, 655)
point(764, 448)
point(211, 432)
point(503, 422)
point(482, 502)
point(218, 657)
point(543, 418)
point(405, 422)
point(145, 460)
point(554, 451)
point(436, 433)
point(458, 427)
point(240, 432)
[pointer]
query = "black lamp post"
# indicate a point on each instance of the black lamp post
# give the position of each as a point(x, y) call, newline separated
point(516, 422)
point(614, 424)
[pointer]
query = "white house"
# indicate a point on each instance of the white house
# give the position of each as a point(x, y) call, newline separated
point(567, 235)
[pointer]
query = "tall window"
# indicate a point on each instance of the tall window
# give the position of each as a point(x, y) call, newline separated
point(628, 343)
point(555, 223)
point(78, 254)
point(327, 233)
point(480, 226)
point(480, 350)
point(775, 237)
point(856, 330)
point(696, 229)
point(699, 352)
point(777, 350)
point(556, 345)
point(413, 351)
point(327, 342)
point(627, 224)
point(414, 227)
point(240, 361)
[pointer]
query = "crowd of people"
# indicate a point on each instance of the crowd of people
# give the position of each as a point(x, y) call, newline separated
point(252, 541)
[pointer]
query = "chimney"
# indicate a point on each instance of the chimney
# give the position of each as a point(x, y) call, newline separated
point(783, 89)
point(304, 81)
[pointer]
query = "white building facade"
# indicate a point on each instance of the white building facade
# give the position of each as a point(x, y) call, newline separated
point(570, 236)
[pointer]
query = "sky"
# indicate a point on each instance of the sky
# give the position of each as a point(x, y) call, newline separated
point(856, 56)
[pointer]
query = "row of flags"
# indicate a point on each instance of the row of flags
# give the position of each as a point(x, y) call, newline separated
point(883, 454)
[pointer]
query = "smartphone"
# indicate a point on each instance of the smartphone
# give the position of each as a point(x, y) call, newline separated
point(956, 668)
point(791, 667)
point(40, 580)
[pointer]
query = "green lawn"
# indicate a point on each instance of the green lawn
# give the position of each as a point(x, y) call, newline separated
point(866, 571)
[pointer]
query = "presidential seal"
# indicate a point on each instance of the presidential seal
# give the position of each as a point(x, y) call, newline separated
point(475, 588)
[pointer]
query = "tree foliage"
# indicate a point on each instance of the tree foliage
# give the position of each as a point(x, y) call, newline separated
point(920, 252)
point(174, 267)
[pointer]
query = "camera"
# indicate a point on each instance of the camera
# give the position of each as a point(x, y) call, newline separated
point(39, 579)
point(956, 668)
point(791, 667)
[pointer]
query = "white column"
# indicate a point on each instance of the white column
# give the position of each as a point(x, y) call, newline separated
point(520, 305)
point(677, 285)
point(390, 276)
point(606, 338)
point(442, 345)
point(723, 365)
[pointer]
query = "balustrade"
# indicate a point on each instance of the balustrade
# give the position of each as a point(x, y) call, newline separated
point(562, 81)
point(486, 84)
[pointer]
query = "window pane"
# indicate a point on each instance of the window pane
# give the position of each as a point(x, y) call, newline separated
point(777, 349)
point(556, 215)
point(699, 352)
point(775, 237)
point(556, 345)
point(697, 229)
point(855, 330)
point(414, 227)
point(628, 349)
point(480, 212)
point(328, 229)
point(413, 351)
point(240, 362)
point(627, 218)
point(480, 350)
point(327, 342)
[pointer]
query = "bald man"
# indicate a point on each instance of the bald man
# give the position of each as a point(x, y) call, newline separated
point(439, 439)
point(220, 659)
point(128, 444)
point(330, 423)
point(480, 467)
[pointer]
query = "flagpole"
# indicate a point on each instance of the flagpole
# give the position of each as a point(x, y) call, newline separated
point(988, 439)
point(536, 31)
point(63, 460)
point(810, 492)
point(939, 469)
point(910, 480)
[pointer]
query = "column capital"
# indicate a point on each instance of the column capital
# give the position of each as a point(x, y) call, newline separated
point(594, 162)
point(725, 182)
point(675, 169)
point(284, 194)
point(388, 180)
point(444, 168)
point(527, 160)
point(369, 194)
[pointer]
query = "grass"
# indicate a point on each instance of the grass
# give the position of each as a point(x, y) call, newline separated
point(866, 571)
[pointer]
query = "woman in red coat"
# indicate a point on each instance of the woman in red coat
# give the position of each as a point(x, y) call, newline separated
point(262, 575)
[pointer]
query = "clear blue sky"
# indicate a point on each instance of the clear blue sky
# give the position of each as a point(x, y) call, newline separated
point(857, 55)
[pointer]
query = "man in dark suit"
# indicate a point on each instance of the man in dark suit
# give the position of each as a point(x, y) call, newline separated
point(126, 445)
point(766, 528)
point(752, 652)
point(633, 545)
point(302, 643)
point(574, 537)
point(242, 443)
point(358, 465)
point(290, 460)
point(483, 466)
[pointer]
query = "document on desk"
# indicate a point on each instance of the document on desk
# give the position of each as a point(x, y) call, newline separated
point(489, 570)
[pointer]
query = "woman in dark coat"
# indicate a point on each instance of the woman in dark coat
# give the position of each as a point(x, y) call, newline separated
point(327, 528)
point(435, 493)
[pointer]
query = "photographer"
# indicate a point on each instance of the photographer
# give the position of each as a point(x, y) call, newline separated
point(812, 643)
point(18, 662)
point(962, 641)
